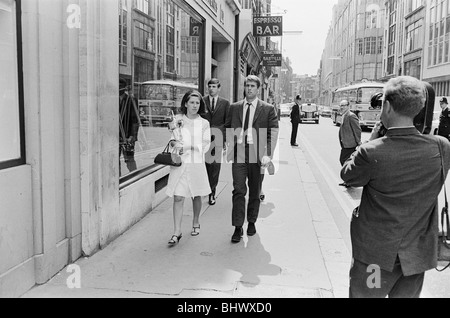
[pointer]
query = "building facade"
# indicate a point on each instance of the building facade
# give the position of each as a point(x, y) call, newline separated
point(405, 26)
point(436, 65)
point(354, 46)
point(60, 133)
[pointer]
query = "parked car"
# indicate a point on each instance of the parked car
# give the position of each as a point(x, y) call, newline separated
point(309, 112)
point(285, 109)
point(325, 111)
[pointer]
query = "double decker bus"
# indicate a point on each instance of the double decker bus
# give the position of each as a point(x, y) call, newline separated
point(159, 98)
point(358, 95)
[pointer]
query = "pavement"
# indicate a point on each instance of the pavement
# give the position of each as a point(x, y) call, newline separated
point(301, 249)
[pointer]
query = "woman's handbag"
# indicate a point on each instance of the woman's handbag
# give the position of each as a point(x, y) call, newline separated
point(168, 158)
point(444, 236)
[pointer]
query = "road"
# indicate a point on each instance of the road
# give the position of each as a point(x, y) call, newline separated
point(321, 144)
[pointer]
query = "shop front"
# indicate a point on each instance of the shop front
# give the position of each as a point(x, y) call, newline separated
point(67, 190)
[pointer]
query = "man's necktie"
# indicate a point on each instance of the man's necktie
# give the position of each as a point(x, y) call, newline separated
point(247, 118)
point(212, 105)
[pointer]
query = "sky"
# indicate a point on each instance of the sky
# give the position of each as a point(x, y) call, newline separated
point(313, 18)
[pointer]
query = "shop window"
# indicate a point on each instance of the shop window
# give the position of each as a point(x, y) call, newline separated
point(12, 144)
point(166, 65)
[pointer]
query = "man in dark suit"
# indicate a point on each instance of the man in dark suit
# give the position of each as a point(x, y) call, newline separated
point(394, 232)
point(216, 113)
point(349, 133)
point(128, 126)
point(444, 120)
point(252, 132)
point(295, 120)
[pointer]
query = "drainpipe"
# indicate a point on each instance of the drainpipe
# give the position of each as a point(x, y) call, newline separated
point(236, 58)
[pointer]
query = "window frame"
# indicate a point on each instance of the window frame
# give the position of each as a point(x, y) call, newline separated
point(22, 158)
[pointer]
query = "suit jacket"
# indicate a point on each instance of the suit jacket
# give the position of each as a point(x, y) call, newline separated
point(217, 118)
point(350, 131)
point(402, 177)
point(295, 114)
point(265, 124)
point(128, 117)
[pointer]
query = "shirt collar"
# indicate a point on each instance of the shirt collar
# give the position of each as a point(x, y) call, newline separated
point(401, 131)
point(254, 103)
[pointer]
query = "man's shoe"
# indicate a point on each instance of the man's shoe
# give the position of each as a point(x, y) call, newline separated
point(251, 229)
point(294, 145)
point(237, 235)
point(212, 200)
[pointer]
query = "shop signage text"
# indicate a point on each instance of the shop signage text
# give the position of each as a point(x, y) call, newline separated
point(268, 26)
point(194, 27)
point(270, 58)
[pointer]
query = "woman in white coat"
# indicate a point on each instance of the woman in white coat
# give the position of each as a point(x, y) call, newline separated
point(190, 180)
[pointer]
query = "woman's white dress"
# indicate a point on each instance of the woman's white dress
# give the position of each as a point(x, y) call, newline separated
point(191, 179)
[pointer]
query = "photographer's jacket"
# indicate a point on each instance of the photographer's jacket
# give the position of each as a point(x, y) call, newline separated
point(402, 178)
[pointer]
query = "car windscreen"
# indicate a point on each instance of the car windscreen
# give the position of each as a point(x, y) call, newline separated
point(308, 108)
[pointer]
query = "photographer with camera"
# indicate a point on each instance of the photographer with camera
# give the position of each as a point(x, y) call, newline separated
point(395, 229)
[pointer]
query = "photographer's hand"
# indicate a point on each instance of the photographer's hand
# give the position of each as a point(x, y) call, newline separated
point(376, 132)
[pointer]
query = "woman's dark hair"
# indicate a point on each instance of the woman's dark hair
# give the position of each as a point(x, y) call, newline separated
point(187, 97)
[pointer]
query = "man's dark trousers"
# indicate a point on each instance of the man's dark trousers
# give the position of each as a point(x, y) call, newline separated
point(242, 170)
point(213, 168)
point(392, 284)
point(294, 133)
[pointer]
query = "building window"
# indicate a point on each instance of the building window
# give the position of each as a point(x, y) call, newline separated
point(12, 144)
point(165, 65)
point(360, 47)
point(213, 5)
point(143, 37)
point(143, 6)
point(412, 68)
point(123, 29)
point(414, 35)
point(390, 65)
point(143, 69)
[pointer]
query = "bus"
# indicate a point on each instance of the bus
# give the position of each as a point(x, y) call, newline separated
point(158, 98)
point(358, 95)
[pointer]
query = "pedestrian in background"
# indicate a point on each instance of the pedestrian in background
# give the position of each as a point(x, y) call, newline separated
point(252, 131)
point(349, 133)
point(216, 114)
point(295, 120)
point(128, 126)
point(395, 230)
point(190, 180)
point(444, 119)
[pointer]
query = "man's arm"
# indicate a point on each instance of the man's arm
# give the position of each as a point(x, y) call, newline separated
point(356, 170)
point(272, 133)
point(354, 122)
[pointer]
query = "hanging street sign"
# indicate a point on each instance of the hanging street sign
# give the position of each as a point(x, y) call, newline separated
point(268, 26)
point(272, 58)
point(194, 27)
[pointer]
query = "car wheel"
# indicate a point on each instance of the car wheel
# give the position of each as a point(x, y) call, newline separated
point(317, 122)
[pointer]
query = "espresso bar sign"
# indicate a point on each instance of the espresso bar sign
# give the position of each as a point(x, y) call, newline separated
point(267, 26)
point(271, 59)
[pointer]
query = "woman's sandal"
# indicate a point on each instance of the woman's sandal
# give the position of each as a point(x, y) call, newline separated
point(195, 231)
point(175, 240)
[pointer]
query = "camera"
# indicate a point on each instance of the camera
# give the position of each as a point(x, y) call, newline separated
point(423, 121)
